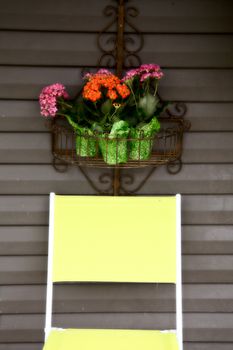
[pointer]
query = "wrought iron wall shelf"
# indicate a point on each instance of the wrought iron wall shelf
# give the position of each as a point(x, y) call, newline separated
point(120, 42)
point(166, 146)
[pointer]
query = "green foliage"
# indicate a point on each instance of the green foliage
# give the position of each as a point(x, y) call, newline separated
point(106, 107)
point(147, 105)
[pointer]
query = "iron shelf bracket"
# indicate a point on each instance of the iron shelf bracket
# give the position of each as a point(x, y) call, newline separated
point(120, 42)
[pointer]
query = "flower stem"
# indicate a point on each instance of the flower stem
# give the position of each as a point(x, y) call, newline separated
point(70, 121)
point(65, 104)
point(133, 97)
point(111, 117)
point(156, 87)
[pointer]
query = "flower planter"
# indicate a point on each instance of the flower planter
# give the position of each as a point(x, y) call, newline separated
point(114, 151)
point(114, 122)
point(120, 151)
point(86, 145)
point(113, 146)
point(140, 149)
point(141, 140)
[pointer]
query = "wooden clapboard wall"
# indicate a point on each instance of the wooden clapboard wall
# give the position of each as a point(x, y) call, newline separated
point(48, 41)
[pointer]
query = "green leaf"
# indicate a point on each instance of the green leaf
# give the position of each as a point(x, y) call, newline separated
point(119, 129)
point(97, 127)
point(148, 128)
point(74, 125)
point(148, 104)
point(106, 107)
point(89, 110)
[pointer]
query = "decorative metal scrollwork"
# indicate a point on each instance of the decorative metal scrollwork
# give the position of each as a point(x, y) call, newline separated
point(177, 109)
point(174, 167)
point(120, 42)
point(105, 184)
point(59, 165)
point(120, 48)
point(103, 178)
point(128, 179)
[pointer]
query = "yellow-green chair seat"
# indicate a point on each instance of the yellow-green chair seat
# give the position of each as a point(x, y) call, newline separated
point(110, 339)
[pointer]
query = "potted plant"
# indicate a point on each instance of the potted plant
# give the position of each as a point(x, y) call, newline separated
point(104, 97)
point(143, 109)
point(117, 118)
point(55, 102)
point(95, 117)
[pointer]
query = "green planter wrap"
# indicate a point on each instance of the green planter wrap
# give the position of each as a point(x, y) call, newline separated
point(113, 146)
point(141, 149)
point(86, 144)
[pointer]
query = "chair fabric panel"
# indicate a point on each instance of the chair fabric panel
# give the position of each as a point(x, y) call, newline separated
point(114, 239)
point(105, 339)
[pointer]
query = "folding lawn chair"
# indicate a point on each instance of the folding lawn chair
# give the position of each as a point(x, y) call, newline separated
point(114, 239)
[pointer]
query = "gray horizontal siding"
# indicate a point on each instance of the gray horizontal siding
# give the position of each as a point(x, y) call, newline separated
point(25, 116)
point(42, 179)
point(21, 116)
point(61, 49)
point(197, 239)
point(167, 16)
point(180, 84)
point(206, 346)
point(86, 298)
point(192, 40)
point(26, 240)
point(24, 346)
point(198, 326)
point(207, 239)
point(207, 147)
point(210, 116)
point(36, 148)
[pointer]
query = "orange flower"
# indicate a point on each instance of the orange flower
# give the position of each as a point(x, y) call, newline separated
point(112, 94)
point(123, 90)
point(91, 92)
point(115, 89)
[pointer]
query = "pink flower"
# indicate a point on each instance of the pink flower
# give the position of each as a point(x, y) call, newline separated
point(144, 72)
point(157, 75)
point(49, 97)
point(87, 76)
point(104, 71)
point(149, 67)
point(145, 76)
point(130, 74)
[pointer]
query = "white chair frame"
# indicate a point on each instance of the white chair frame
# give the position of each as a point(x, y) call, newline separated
point(49, 296)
